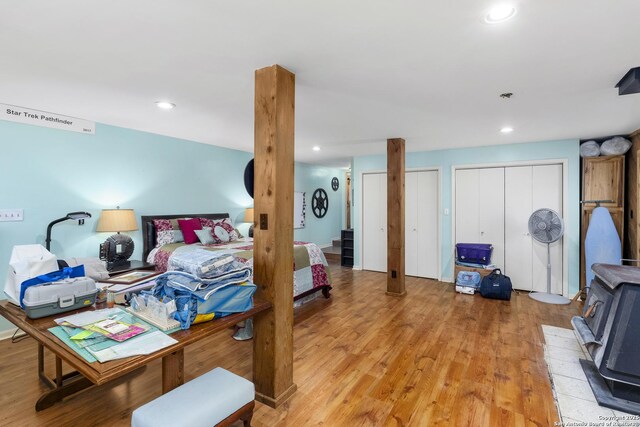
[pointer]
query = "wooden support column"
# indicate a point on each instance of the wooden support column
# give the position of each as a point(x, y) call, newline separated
point(395, 217)
point(273, 234)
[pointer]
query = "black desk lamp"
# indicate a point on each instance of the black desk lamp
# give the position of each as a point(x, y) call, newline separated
point(76, 216)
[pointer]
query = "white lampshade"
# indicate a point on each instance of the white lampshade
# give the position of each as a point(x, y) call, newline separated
point(117, 220)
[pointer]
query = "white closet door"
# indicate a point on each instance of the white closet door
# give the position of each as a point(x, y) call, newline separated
point(374, 222)
point(467, 202)
point(518, 207)
point(370, 221)
point(480, 209)
point(411, 223)
point(547, 193)
point(491, 211)
point(427, 239)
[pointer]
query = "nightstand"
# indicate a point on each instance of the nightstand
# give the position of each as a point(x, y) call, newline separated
point(131, 265)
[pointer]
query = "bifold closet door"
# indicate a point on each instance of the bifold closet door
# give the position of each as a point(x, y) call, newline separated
point(547, 193)
point(518, 261)
point(427, 204)
point(480, 209)
point(528, 188)
point(421, 224)
point(374, 222)
point(411, 189)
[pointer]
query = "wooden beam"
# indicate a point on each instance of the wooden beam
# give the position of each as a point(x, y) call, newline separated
point(273, 234)
point(395, 217)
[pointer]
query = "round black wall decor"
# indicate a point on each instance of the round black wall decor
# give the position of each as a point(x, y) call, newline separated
point(335, 184)
point(248, 178)
point(320, 203)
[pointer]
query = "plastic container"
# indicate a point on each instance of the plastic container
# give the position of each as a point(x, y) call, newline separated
point(477, 253)
point(53, 298)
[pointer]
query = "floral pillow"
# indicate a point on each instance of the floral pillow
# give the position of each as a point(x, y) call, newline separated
point(223, 225)
point(167, 231)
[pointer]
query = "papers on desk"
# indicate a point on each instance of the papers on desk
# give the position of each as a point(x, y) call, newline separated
point(144, 344)
point(98, 347)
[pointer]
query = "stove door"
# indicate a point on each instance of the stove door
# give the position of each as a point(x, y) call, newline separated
point(596, 308)
point(622, 350)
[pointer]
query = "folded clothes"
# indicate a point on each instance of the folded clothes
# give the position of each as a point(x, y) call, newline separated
point(197, 299)
point(202, 263)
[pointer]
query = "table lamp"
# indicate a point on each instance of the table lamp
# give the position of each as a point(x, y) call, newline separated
point(117, 249)
point(248, 217)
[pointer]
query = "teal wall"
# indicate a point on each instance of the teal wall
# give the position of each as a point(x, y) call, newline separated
point(50, 172)
point(319, 230)
point(445, 159)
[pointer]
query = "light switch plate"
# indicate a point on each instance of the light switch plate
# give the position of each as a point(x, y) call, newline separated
point(11, 214)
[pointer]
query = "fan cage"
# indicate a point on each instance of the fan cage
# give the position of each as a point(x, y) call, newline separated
point(546, 225)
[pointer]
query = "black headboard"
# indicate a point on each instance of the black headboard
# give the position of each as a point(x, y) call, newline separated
point(149, 230)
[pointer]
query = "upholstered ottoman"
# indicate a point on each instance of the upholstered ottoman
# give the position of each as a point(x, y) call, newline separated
point(215, 398)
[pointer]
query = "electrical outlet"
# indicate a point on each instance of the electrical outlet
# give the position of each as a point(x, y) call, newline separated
point(11, 214)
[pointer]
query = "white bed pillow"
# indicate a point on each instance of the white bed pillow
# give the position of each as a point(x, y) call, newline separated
point(221, 233)
point(205, 236)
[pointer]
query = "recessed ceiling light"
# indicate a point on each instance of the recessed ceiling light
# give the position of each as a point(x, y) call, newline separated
point(506, 129)
point(500, 13)
point(165, 105)
point(316, 148)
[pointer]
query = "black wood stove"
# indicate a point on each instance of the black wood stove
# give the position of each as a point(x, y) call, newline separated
point(610, 329)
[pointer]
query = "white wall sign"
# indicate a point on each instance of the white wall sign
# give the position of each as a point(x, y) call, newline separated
point(42, 118)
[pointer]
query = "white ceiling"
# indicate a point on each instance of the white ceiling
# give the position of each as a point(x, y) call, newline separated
point(429, 71)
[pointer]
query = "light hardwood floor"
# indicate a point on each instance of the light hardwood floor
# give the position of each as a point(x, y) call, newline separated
point(362, 358)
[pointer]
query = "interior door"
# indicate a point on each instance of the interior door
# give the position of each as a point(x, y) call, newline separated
point(547, 193)
point(467, 202)
point(518, 187)
point(411, 223)
point(491, 211)
point(427, 235)
point(480, 209)
point(374, 222)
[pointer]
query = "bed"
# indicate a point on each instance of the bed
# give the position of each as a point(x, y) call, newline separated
point(311, 271)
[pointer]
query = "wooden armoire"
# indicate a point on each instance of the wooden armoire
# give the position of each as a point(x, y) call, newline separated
point(631, 247)
point(602, 179)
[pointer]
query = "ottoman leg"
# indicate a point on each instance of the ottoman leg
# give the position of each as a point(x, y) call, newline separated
point(247, 415)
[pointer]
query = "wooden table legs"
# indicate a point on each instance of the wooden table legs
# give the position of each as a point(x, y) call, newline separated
point(61, 386)
point(172, 371)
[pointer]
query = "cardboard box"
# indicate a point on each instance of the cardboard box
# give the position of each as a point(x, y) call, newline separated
point(483, 271)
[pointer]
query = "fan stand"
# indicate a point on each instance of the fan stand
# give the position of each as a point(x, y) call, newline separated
point(548, 297)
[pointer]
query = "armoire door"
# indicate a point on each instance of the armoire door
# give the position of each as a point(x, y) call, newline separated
point(374, 222)
point(480, 209)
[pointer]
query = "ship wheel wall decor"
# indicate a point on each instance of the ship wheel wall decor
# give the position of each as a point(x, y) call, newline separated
point(320, 203)
point(335, 184)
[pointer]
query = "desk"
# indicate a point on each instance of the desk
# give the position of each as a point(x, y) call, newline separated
point(96, 373)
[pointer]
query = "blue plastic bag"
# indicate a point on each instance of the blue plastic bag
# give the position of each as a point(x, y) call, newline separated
point(468, 278)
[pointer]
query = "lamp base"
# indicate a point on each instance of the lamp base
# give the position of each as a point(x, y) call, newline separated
point(118, 264)
point(251, 231)
point(116, 251)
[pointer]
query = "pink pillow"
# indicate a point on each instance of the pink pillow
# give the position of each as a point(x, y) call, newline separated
point(188, 227)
